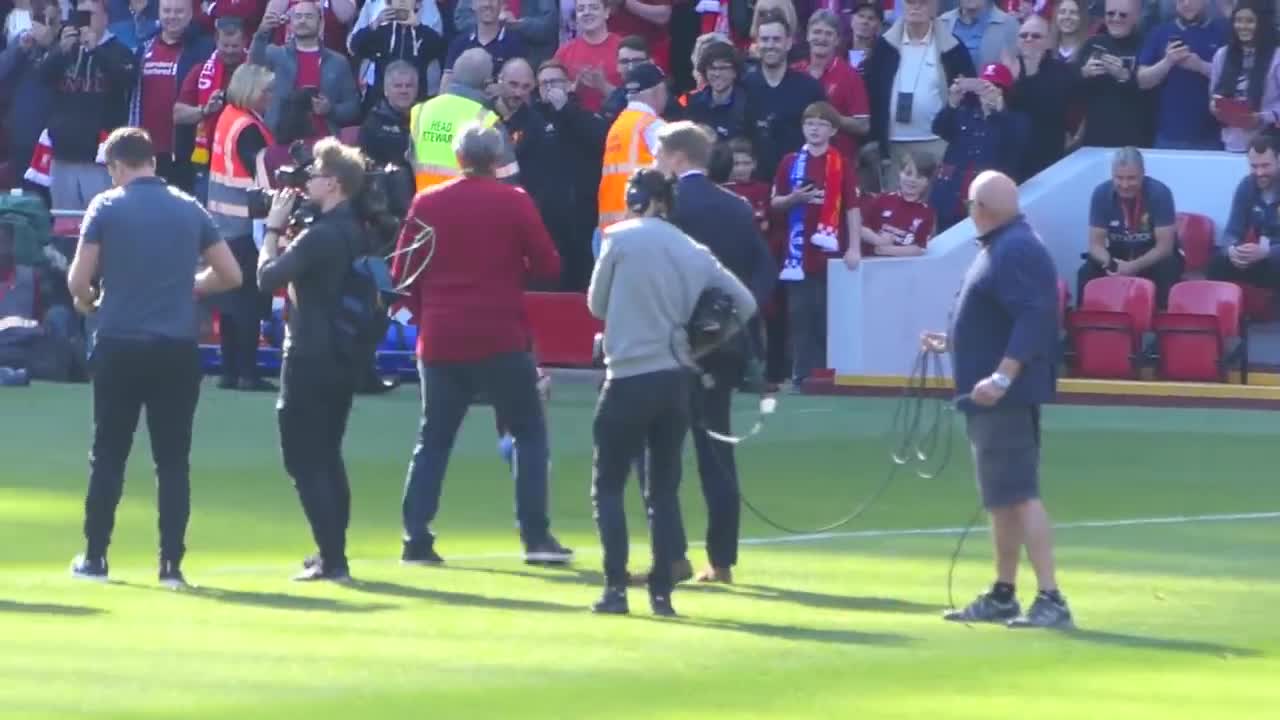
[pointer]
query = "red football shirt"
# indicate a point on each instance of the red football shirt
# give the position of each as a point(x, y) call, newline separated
point(309, 76)
point(815, 258)
point(909, 222)
point(159, 92)
point(578, 55)
point(756, 193)
point(623, 22)
point(847, 93)
point(189, 94)
point(468, 302)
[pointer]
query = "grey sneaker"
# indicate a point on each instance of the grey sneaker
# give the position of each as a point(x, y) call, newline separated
point(1045, 613)
point(985, 609)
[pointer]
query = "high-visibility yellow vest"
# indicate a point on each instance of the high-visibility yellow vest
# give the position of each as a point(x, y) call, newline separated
point(625, 152)
point(432, 126)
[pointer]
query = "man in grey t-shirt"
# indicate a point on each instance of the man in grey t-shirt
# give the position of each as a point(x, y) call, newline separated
point(135, 268)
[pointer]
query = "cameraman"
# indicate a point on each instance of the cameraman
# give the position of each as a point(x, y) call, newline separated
point(648, 280)
point(317, 381)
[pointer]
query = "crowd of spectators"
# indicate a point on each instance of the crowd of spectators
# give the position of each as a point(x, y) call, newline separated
point(919, 95)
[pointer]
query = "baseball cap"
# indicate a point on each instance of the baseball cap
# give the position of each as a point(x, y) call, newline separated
point(643, 76)
point(997, 75)
point(875, 7)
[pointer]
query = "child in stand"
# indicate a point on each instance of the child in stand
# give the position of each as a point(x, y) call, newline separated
point(900, 224)
point(741, 182)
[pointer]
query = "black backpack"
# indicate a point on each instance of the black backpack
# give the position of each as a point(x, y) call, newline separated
point(361, 318)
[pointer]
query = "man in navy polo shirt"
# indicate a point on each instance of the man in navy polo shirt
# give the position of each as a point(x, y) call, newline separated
point(1176, 61)
point(489, 33)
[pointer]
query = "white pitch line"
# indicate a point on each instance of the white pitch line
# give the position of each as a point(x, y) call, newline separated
point(850, 534)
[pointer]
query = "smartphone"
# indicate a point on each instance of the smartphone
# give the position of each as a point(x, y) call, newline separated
point(81, 18)
point(402, 15)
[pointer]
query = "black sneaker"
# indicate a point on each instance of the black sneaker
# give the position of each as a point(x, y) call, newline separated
point(661, 605)
point(420, 554)
point(612, 602)
point(171, 575)
point(547, 552)
point(318, 572)
point(86, 568)
point(985, 609)
point(1045, 612)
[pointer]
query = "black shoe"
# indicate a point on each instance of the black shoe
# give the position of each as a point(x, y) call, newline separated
point(258, 385)
point(171, 576)
point(228, 383)
point(1045, 612)
point(547, 552)
point(318, 572)
point(420, 554)
point(86, 568)
point(661, 605)
point(986, 608)
point(612, 602)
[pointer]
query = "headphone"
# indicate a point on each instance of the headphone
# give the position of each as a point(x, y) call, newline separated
point(646, 186)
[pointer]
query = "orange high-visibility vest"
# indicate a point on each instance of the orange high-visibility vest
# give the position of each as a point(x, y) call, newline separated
point(229, 179)
point(625, 152)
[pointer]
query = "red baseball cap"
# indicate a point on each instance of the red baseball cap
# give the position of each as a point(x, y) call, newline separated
point(997, 75)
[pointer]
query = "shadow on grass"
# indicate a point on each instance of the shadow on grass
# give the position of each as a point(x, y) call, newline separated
point(594, 578)
point(47, 609)
point(796, 633)
point(461, 599)
point(270, 600)
point(1144, 642)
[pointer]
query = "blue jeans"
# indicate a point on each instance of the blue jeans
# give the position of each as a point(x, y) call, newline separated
point(510, 381)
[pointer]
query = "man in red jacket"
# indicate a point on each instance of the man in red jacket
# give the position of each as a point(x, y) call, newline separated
point(478, 241)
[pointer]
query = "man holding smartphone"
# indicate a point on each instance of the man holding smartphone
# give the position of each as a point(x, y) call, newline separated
point(1176, 63)
point(1247, 253)
point(1116, 112)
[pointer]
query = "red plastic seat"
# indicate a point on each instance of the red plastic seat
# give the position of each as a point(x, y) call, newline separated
point(350, 136)
point(1107, 330)
point(1259, 303)
point(563, 328)
point(1195, 235)
point(1201, 331)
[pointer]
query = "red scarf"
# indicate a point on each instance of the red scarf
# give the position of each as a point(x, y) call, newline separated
point(209, 82)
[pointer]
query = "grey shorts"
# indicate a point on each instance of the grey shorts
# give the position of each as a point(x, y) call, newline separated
point(1006, 454)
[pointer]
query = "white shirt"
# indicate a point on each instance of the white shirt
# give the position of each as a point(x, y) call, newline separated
point(651, 132)
point(918, 74)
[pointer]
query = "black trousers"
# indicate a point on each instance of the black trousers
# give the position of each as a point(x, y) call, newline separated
point(1265, 273)
point(649, 410)
point(1165, 274)
point(162, 377)
point(315, 402)
point(242, 312)
point(177, 171)
point(716, 465)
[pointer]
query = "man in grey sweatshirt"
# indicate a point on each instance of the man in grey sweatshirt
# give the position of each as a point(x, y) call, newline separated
point(645, 285)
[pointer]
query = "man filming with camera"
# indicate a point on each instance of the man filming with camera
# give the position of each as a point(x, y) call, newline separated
point(318, 373)
point(647, 282)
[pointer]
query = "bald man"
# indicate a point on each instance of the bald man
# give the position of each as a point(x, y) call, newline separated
point(1003, 344)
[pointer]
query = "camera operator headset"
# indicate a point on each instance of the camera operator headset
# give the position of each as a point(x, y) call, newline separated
point(318, 372)
point(648, 281)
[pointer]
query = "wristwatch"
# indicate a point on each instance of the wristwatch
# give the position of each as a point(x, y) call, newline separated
point(1001, 380)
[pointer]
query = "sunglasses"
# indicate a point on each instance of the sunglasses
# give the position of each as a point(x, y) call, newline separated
point(1030, 36)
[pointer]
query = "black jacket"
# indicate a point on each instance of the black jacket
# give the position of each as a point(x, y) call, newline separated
point(418, 45)
point(617, 102)
point(1042, 98)
point(315, 264)
point(573, 139)
point(1117, 114)
point(384, 137)
point(91, 95)
point(726, 224)
point(729, 121)
point(877, 74)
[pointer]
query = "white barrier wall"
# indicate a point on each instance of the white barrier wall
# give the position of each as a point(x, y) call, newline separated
point(877, 312)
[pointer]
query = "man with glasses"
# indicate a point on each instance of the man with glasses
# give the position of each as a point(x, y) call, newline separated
point(1176, 61)
point(1042, 84)
point(985, 30)
point(722, 104)
point(576, 138)
point(633, 52)
point(1117, 113)
point(317, 380)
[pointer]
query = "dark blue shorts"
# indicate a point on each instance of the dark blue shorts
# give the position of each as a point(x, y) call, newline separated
point(1006, 454)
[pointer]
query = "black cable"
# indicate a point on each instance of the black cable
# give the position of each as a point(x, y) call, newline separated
point(955, 554)
point(921, 432)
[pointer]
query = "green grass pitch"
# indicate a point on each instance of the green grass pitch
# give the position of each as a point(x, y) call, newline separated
point(1178, 620)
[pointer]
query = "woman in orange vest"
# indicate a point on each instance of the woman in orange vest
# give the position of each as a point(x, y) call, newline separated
point(235, 167)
